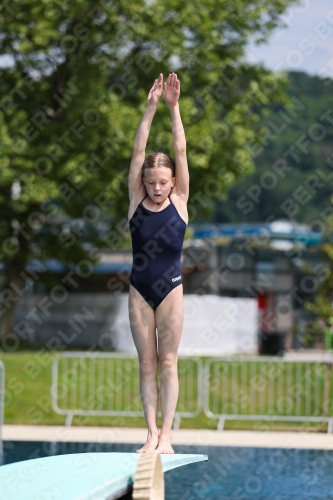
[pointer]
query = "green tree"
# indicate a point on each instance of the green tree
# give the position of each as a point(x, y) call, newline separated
point(71, 98)
point(321, 304)
point(306, 126)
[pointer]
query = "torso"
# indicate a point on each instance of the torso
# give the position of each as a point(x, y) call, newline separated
point(157, 242)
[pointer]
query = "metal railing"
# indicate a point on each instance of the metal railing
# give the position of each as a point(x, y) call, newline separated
point(233, 388)
point(108, 384)
point(266, 388)
point(2, 405)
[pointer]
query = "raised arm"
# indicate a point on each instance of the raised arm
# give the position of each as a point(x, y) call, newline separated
point(141, 137)
point(171, 96)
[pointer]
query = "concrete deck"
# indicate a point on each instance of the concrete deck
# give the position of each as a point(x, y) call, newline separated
point(265, 439)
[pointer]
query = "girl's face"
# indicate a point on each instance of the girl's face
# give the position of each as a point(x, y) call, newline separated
point(158, 182)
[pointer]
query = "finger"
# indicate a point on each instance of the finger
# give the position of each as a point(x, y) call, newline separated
point(178, 85)
point(169, 78)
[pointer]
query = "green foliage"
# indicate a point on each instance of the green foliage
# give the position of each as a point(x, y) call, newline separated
point(321, 305)
point(313, 332)
point(302, 134)
point(73, 96)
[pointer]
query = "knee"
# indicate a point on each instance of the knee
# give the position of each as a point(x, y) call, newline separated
point(168, 364)
point(148, 364)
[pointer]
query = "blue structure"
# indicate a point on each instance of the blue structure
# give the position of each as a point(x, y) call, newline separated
point(280, 230)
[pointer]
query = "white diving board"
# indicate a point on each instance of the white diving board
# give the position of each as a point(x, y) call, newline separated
point(79, 476)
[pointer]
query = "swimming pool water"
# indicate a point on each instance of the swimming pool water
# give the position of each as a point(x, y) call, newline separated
point(233, 473)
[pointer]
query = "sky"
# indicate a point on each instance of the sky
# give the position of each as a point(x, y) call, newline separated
point(305, 45)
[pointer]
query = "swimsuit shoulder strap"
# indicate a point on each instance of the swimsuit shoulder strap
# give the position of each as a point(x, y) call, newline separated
point(174, 206)
point(141, 203)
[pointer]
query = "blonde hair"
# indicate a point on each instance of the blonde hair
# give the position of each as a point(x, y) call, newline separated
point(158, 159)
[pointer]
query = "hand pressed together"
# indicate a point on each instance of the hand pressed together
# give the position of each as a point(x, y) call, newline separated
point(172, 89)
point(156, 91)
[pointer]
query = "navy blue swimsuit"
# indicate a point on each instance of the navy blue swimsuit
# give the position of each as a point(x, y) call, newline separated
point(157, 240)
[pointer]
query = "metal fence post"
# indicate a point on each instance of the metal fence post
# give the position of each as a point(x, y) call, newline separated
point(220, 424)
point(176, 421)
point(330, 426)
point(69, 419)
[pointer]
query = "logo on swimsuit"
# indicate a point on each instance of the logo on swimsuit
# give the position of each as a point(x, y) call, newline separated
point(176, 279)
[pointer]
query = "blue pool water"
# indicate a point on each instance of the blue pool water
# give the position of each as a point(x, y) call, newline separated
point(233, 473)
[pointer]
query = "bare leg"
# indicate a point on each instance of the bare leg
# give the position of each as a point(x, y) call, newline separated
point(143, 327)
point(169, 322)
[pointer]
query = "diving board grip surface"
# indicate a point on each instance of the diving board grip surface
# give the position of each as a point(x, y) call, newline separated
point(149, 478)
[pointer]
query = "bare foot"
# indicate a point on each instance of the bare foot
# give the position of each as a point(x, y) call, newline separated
point(152, 442)
point(164, 444)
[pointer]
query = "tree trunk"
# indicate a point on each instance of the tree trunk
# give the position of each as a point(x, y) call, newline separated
point(9, 297)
